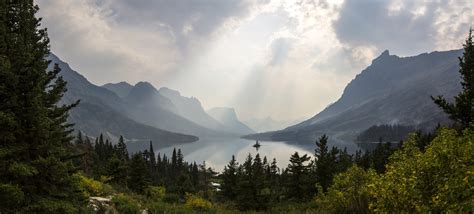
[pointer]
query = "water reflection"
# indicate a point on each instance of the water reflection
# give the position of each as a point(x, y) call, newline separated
point(217, 152)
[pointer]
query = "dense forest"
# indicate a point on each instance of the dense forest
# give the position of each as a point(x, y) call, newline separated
point(385, 133)
point(45, 169)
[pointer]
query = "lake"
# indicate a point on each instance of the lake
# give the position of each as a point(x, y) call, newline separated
point(218, 152)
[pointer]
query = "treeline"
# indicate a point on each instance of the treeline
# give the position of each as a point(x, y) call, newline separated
point(111, 164)
point(257, 184)
point(385, 133)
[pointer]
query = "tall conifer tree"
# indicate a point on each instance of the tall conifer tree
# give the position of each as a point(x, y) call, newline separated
point(35, 165)
point(462, 110)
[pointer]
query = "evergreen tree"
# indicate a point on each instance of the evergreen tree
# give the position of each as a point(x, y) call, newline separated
point(138, 176)
point(35, 155)
point(122, 152)
point(116, 169)
point(79, 139)
point(298, 184)
point(462, 110)
point(323, 171)
point(179, 160)
point(229, 180)
point(87, 160)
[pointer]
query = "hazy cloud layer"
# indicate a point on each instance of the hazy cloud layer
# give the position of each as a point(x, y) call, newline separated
point(404, 27)
point(279, 58)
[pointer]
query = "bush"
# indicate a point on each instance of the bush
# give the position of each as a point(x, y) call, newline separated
point(156, 192)
point(126, 204)
point(11, 196)
point(438, 180)
point(93, 187)
point(197, 203)
point(349, 192)
point(171, 198)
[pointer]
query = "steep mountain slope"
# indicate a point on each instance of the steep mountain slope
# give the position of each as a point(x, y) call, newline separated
point(122, 89)
point(191, 109)
point(228, 117)
point(100, 112)
point(392, 90)
point(145, 104)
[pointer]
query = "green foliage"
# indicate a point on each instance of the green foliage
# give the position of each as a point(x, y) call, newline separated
point(437, 180)
point(197, 203)
point(385, 133)
point(156, 192)
point(329, 162)
point(35, 155)
point(349, 192)
point(126, 204)
point(93, 187)
point(10, 196)
point(171, 198)
point(462, 110)
point(298, 183)
point(138, 177)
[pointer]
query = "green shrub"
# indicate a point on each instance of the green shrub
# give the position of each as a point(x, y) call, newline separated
point(348, 194)
point(438, 180)
point(171, 198)
point(126, 204)
point(197, 203)
point(93, 187)
point(156, 192)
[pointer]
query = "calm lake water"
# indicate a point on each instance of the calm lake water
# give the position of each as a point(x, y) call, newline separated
point(218, 152)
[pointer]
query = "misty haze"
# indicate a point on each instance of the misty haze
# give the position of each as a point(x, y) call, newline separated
point(238, 106)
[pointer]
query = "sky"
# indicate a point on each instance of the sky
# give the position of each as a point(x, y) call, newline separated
point(287, 59)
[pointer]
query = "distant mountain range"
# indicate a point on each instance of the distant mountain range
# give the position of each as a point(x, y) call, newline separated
point(140, 113)
point(392, 90)
point(229, 117)
point(269, 124)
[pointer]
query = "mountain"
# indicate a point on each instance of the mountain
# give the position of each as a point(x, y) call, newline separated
point(143, 94)
point(101, 111)
point(228, 117)
point(122, 89)
point(392, 90)
point(268, 124)
point(147, 105)
point(190, 108)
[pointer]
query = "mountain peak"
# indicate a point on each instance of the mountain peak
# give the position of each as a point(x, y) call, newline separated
point(122, 89)
point(143, 84)
point(383, 57)
point(168, 92)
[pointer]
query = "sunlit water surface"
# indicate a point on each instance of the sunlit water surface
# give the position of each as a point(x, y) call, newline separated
point(216, 153)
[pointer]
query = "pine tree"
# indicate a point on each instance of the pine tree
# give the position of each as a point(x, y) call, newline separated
point(298, 182)
point(323, 163)
point(88, 157)
point(35, 156)
point(462, 110)
point(122, 152)
point(138, 176)
point(117, 170)
point(229, 180)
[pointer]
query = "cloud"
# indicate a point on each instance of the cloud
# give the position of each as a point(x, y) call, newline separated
point(279, 58)
point(280, 48)
point(186, 20)
point(405, 27)
point(111, 41)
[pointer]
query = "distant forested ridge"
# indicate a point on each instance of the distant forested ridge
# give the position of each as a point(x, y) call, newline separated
point(385, 133)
